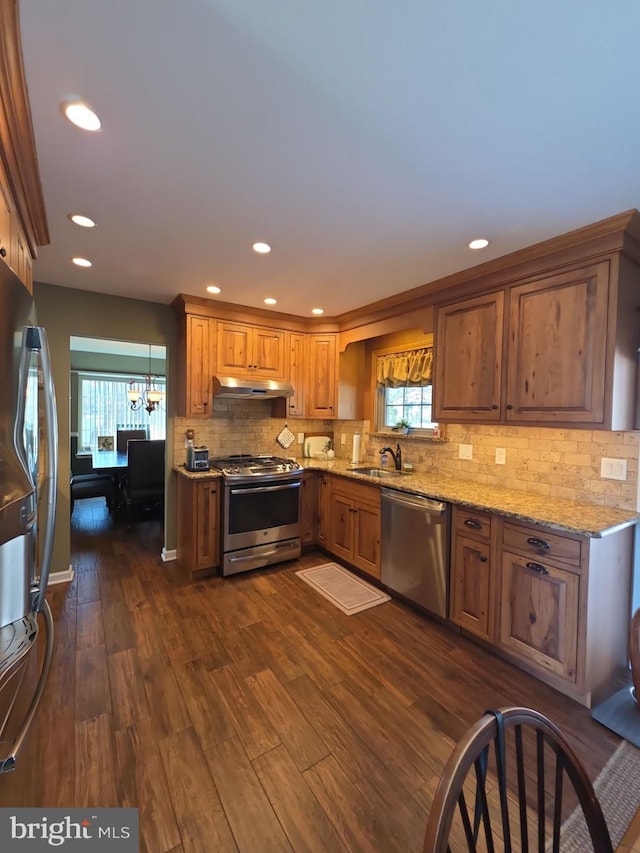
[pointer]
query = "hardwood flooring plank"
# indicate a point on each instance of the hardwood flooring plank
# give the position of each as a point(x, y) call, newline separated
point(169, 712)
point(90, 631)
point(243, 709)
point(355, 821)
point(127, 690)
point(95, 783)
point(92, 683)
point(201, 820)
point(142, 783)
point(281, 658)
point(248, 810)
point(88, 585)
point(118, 633)
point(208, 715)
point(146, 633)
point(304, 821)
point(302, 742)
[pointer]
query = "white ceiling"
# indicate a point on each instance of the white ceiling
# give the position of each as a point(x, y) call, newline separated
point(367, 141)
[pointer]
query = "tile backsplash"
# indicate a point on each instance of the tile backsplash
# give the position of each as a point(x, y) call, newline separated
point(561, 463)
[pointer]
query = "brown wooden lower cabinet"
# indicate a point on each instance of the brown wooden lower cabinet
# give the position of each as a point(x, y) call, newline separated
point(309, 508)
point(472, 573)
point(354, 524)
point(198, 525)
point(324, 492)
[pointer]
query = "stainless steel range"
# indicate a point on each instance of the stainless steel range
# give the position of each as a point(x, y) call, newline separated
point(261, 511)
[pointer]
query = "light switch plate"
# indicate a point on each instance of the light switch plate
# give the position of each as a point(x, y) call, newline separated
point(613, 469)
point(300, 438)
point(465, 451)
point(501, 455)
point(343, 438)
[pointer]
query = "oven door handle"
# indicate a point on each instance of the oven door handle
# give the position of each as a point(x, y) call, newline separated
point(287, 546)
point(265, 489)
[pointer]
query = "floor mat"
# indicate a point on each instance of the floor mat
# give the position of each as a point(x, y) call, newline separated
point(620, 714)
point(618, 791)
point(341, 588)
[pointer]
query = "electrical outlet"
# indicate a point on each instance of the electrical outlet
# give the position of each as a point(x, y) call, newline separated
point(501, 456)
point(300, 438)
point(613, 469)
point(343, 438)
point(465, 451)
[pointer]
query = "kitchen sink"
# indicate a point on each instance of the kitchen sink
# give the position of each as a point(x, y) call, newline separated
point(381, 472)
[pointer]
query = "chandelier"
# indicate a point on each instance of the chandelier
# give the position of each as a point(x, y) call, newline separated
point(149, 397)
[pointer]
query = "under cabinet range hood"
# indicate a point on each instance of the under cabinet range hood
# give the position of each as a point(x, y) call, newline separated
point(236, 388)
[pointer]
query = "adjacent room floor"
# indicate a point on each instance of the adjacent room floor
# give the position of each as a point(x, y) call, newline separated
point(249, 713)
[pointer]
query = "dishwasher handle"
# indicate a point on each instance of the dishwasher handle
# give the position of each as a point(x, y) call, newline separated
point(426, 504)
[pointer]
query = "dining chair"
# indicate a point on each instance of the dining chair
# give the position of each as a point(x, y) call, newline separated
point(144, 483)
point(84, 482)
point(509, 784)
point(123, 436)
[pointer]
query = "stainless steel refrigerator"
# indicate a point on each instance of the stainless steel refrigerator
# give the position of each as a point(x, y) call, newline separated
point(28, 480)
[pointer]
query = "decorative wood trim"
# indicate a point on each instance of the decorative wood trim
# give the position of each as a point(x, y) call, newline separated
point(17, 141)
point(607, 237)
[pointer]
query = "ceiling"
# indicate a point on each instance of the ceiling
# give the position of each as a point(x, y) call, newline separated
point(367, 142)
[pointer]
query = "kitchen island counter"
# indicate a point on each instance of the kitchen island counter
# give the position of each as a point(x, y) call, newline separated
point(556, 513)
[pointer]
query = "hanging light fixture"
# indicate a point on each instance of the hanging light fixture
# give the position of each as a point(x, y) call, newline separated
point(150, 397)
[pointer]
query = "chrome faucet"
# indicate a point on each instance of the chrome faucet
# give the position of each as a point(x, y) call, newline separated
point(397, 456)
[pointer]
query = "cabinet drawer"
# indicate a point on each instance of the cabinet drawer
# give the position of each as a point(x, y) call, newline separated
point(358, 492)
point(469, 522)
point(544, 544)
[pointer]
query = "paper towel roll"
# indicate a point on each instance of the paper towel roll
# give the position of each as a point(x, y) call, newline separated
point(355, 452)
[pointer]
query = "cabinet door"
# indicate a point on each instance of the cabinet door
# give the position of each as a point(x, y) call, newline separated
point(207, 525)
point(366, 538)
point(233, 352)
point(295, 404)
point(309, 508)
point(198, 365)
point(322, 390)
point(470, 574)
point(468, 360)
point(5, 221)
point(268, 353)
point(539, 614)
point(323, 510)
point(341, 523)
point(557, 350)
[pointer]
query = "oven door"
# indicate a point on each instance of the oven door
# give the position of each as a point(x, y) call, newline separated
point(260, 514)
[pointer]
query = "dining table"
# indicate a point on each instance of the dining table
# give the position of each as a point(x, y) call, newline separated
point(112, 462)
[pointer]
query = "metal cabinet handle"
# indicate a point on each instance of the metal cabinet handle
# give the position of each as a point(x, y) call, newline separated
point(483, 558)
point(471, 522)
point(494, 406)
point(509, 406)
point(536, 567)
point(3, 252)
point(538, 543)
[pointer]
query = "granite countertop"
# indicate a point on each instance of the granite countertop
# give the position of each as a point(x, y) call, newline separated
point(196, 475)
point(563, 515)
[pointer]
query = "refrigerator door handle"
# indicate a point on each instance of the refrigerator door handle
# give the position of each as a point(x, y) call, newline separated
point(38, 341)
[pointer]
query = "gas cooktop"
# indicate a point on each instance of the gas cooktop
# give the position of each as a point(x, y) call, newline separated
point(246, 465)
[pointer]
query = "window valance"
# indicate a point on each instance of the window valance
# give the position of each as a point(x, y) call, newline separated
point(397, 369)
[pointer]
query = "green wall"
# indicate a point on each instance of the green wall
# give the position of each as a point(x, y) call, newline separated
point(67, 311)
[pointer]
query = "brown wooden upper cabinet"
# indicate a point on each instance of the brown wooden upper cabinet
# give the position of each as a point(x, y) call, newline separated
point(196, 350)
point(322, 389)
point(556, 350)
point(244, 350)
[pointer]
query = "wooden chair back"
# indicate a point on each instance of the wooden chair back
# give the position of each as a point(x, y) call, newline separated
point(123, 436)
point(509, 784)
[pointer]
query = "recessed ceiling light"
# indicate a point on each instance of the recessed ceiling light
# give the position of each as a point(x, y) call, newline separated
point(479, 243)
point(81, 262)
point(84, 221)
point(80, 115)
point(317, 310)
point(261, 248)
point(270, 301)
point(212, 288)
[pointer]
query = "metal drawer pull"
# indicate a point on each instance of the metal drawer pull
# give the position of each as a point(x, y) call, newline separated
point(471, 522)
point(536, 567)
point(538, 543)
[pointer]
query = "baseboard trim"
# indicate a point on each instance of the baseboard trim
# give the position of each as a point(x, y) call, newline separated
point(61, 577)
point(169, 555)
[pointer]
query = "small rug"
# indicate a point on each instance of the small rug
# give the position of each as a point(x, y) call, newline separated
point(618, 791)
point(620, 714)
point(341, 588)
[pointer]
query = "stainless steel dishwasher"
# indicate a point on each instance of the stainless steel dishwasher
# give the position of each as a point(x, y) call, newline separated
point(415, 549)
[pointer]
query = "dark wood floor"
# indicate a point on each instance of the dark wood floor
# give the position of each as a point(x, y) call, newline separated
point(248, 713)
